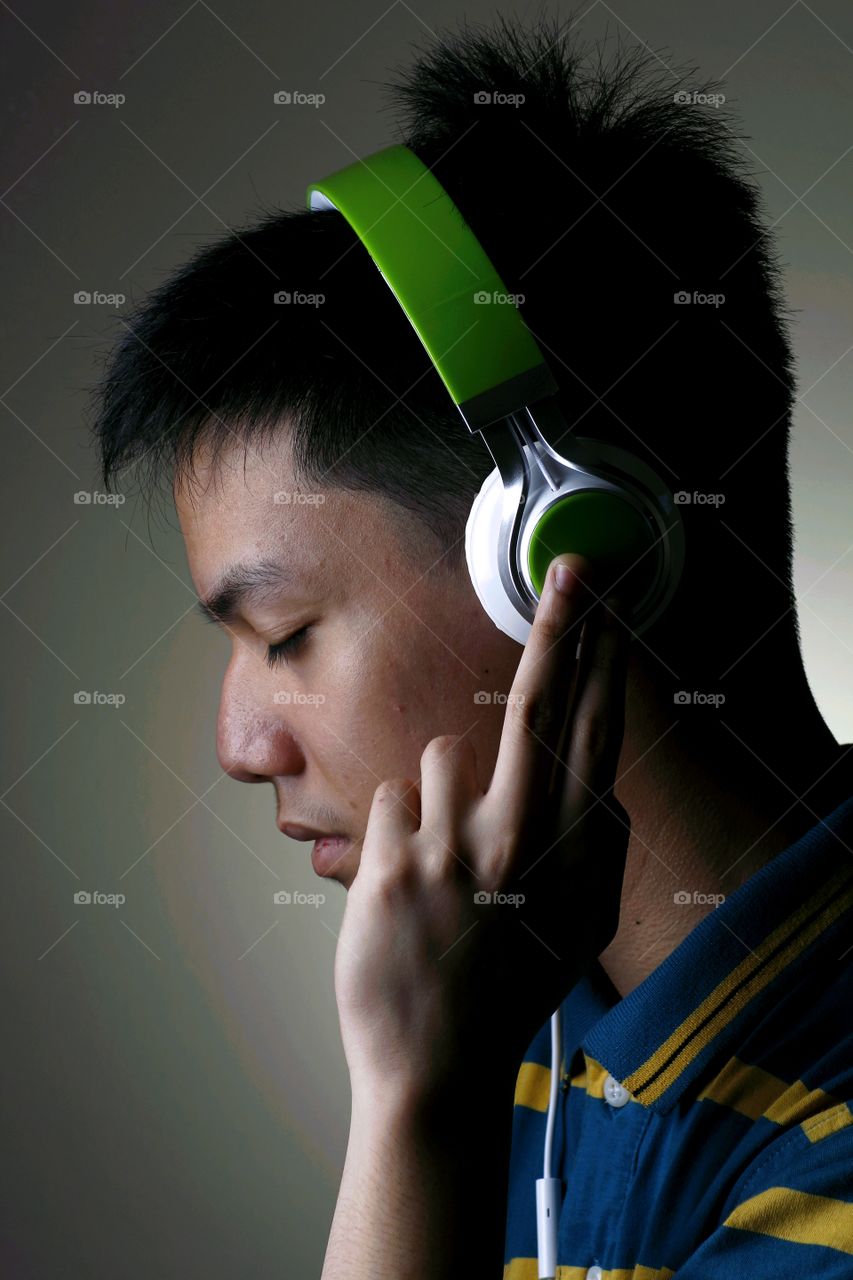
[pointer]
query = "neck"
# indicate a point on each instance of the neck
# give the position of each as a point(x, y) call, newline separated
point(713, 795)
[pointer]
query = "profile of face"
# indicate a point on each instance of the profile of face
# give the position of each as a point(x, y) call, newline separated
point(395, 651)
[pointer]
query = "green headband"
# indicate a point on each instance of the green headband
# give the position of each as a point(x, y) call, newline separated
point(441, 276)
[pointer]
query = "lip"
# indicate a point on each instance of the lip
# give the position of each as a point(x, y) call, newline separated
point(297, 832)
point(328, 849)
point(327, 853)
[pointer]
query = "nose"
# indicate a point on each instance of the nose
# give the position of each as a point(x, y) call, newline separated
point(253, 742)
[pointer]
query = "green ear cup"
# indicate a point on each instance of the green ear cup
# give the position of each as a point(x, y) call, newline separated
point(606, 529)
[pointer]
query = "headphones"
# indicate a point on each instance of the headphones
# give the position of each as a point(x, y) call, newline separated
point(591, 498)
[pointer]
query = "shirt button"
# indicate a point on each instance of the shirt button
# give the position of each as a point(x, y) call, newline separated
point(594, 1273)
point(616, 1095)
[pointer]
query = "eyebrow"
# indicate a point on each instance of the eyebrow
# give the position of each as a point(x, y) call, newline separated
point(244, 583)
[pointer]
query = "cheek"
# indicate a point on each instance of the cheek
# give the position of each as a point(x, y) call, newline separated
point(403, 683)
point(380, 694)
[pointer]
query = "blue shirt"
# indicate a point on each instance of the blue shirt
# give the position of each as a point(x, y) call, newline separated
point(704, 1127)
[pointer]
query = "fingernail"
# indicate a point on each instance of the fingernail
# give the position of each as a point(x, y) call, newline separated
point(568, 576)
point(563, 579)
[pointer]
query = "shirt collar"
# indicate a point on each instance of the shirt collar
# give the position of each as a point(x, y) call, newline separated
point(734, 965)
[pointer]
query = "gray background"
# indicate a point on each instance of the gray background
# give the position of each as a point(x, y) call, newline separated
point(175, 1097)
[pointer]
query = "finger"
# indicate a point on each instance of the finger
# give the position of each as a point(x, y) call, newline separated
point(598, 716)
point(448, 786)
point(537, 703)
point(394, 816)
point(560, 762)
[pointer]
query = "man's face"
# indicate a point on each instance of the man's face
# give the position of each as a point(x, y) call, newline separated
point(396, 650)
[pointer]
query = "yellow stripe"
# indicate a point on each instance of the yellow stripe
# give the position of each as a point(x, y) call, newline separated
point(522, 1269)
point(746, 1089)
point(798, 1104)
point(756, 1093)
point(619, 1273)
point(591, 1077)
point(532, 1088)
point(594, 1076)
point(819, 1127)
point(723, 1013)
point(528, 1269)
point(798, 1217)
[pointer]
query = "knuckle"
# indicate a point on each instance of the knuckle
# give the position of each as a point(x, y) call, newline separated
point(438, 747)
point(534, 714)
point(552, 628)
point(392, 881)
point(393, 788)
point(440, 867)
point(503, 852)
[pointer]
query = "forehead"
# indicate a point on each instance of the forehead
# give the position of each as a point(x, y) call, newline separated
point(245, 504)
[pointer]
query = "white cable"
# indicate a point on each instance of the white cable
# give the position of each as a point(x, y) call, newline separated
point(549, 1189)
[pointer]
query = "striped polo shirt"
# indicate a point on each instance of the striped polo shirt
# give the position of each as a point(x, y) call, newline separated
point(704, 1127)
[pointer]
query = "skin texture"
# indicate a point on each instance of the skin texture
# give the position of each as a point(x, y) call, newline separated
point(399, 647)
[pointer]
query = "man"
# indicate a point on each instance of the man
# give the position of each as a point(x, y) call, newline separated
point(322, 481)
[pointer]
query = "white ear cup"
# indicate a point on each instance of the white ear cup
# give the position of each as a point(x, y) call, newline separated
point(595, 465)
point(481, 551)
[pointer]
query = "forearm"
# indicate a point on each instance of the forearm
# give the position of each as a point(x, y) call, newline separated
point(424, 1189)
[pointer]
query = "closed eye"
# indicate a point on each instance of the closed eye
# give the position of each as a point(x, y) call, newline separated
point(280, 652)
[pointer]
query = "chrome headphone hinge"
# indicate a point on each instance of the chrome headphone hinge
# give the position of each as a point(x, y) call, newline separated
point(504, 440)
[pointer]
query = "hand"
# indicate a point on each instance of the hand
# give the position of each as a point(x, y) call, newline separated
point(434, 986)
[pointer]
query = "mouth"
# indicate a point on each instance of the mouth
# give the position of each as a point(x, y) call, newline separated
point(328, 848)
